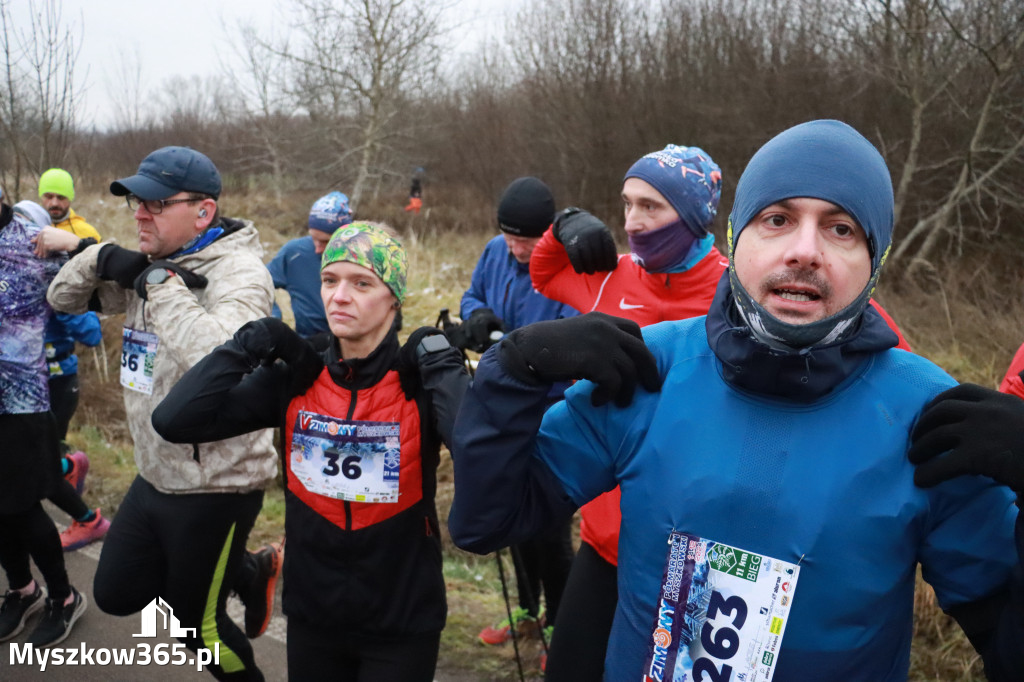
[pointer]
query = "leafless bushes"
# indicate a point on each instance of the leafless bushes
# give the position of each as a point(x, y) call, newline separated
point(350, 95)
point(37, 93)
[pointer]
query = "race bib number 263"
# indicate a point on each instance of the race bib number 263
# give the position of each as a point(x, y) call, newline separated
point(722, 613)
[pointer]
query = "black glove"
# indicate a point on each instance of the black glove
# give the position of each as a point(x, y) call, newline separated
point(970, 430)
point(118, 264)
point(191, 279)
point(457, 336)
point(409, 360)
point(269, 339)
point(407, 356)
point(480, 327)
point(588, 242)
point(604, 349)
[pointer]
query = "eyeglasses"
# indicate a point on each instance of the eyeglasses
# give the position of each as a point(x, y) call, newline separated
point(155, 206)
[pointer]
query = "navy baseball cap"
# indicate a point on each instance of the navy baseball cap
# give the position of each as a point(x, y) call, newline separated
point(170, 170)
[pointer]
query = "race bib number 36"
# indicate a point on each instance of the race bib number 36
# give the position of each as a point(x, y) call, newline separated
point(138, 355)
point(722, 613)
point(356, 461)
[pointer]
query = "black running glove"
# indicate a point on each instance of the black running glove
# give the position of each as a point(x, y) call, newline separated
point(588, 242)
point(457, 336)
point(191, 279)
point(604, 349)
point(480, 326)
point(408, 355)
point(118, 264)
point(269, 339)
point(967, 430)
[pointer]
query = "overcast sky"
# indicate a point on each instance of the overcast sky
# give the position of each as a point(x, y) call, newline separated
point(182, 37)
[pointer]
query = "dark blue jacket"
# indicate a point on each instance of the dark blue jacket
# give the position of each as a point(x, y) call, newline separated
point(502, 284)
point(296, 269)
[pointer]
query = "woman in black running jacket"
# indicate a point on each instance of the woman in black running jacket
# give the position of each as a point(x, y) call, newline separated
point(362, 420)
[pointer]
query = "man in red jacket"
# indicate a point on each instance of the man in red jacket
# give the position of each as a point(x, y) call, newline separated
point(670, 199)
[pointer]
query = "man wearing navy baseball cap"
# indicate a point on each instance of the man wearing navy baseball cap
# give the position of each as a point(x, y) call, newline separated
point(181, 530)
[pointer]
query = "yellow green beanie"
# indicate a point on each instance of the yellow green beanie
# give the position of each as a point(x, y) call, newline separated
point(57, 181)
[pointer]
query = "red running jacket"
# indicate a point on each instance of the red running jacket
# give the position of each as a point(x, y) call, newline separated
point(1012, 382)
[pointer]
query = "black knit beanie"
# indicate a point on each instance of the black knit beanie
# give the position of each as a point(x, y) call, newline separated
point(527, 208)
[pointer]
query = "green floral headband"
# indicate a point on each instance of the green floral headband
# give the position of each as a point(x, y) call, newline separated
point(371, 247)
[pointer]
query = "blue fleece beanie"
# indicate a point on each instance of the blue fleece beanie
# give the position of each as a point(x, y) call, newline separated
point(688, 179)
point(330, 212)
point(826, 160)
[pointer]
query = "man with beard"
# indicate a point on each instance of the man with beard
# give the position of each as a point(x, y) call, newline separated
point(57, 191)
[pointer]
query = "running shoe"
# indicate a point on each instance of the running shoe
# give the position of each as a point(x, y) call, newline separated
point(57, 621)
point(16, 609)
point(502, 632)
point(260, 606)
point(80, 534)
point(76, 476)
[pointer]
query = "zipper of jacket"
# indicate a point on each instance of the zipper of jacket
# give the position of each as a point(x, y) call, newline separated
point(346, 503)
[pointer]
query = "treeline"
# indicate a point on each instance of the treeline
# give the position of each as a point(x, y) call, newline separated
point(362, 93)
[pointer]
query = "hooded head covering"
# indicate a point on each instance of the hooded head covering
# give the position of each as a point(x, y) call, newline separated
point(825, 160)
point(369, 245)
point(33, 212)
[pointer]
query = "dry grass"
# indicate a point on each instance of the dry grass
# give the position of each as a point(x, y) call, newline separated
point(960, 317)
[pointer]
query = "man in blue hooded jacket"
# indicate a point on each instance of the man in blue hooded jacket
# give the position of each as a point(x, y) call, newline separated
point(781, 428)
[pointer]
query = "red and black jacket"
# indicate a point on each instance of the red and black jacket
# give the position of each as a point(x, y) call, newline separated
point(357, 567)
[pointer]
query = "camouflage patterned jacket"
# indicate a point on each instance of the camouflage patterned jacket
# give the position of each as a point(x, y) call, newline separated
point(185, 325)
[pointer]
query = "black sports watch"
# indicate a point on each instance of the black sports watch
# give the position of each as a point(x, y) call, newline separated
point(158, 276)
point(434, 343)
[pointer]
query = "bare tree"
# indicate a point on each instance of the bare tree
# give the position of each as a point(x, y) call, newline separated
point(38, 99)
point(125, 93)
point(959, 67)
point(355, 65)
point(259, 100)
point(579, 62)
